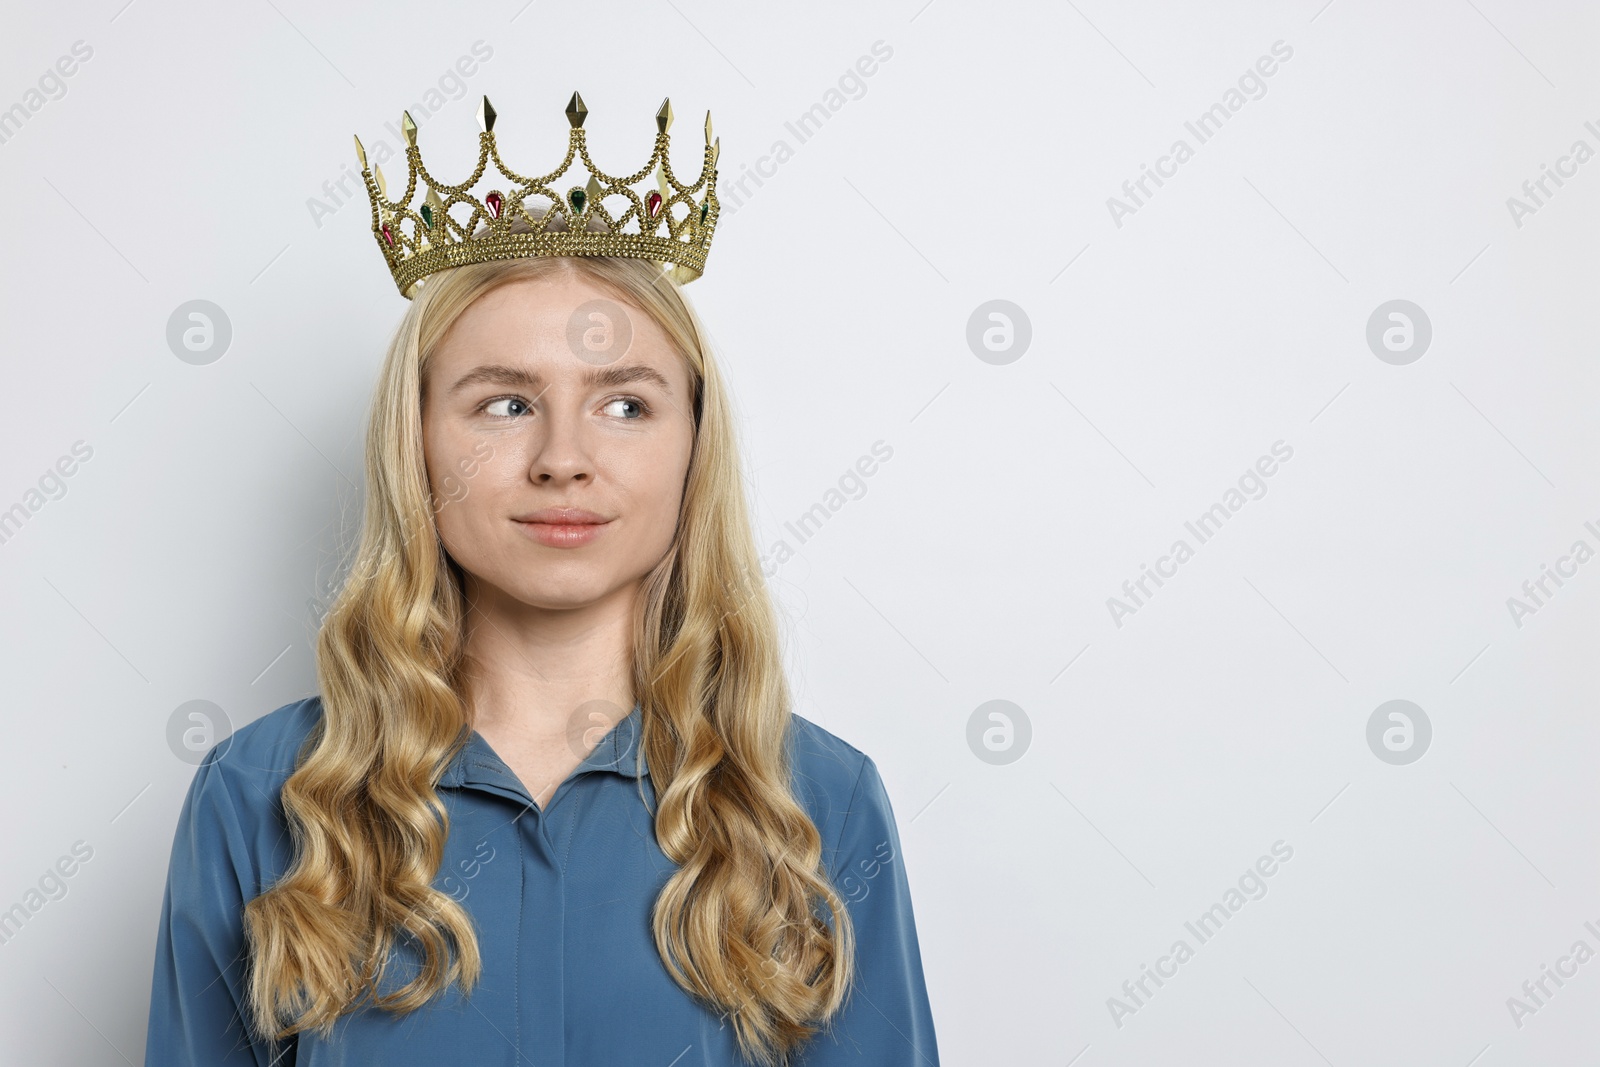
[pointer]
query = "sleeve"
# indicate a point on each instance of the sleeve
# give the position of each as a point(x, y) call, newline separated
point(886, 1020)
point(198, 995)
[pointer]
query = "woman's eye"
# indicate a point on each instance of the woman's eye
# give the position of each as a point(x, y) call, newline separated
point(635, 401)
point(506, 407)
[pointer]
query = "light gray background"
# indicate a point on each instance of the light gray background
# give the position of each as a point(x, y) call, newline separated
point(1228, 312)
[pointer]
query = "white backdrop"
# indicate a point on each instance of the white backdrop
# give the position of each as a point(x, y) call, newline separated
point(1357, 274)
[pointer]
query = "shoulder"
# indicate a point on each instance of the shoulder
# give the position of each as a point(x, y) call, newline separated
point(263, 753)
point(234, 803)
point(823, 757)
point(838, 784)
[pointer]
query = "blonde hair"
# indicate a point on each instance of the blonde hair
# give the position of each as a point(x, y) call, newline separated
point(737, 924)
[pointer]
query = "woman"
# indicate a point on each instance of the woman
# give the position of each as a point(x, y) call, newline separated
point(468, 849)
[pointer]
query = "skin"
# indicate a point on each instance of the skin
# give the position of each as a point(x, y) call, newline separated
point(549, 629)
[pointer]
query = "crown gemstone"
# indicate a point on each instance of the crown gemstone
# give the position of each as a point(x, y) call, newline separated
point(703, 209)
point(652, 203)
point(577, 198)
point(427, 216)
point(494, 201)
point(434, 208)
point(388, 235)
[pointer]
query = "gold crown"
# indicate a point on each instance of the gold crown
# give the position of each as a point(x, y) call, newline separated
point(415, 243)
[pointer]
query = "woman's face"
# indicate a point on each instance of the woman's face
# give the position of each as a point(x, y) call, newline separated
point(550, 394)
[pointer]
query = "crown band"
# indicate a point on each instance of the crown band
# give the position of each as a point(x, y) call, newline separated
point(672, 224)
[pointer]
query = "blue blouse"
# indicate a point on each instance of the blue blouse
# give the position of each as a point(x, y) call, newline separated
point(561, 899)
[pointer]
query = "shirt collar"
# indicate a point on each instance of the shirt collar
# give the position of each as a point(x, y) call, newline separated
point(618, 752)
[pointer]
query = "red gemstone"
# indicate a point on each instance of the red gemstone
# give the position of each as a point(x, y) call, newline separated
point(653, 204)
point(388, 235)
point(493, 202)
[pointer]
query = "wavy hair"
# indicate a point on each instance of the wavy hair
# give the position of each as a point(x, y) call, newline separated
point(749, 923)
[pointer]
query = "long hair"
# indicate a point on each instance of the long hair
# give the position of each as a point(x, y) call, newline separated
point(749, 923)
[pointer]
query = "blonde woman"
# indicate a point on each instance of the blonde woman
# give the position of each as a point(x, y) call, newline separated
point(552, 805)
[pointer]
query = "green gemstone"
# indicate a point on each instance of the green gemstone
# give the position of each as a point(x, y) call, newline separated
point(427, 215)
point(576, 197)
point(703, 209)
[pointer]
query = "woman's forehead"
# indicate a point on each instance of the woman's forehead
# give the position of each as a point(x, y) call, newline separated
point(558, 326)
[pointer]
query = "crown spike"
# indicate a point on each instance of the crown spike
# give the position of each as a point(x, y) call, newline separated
point(708, 127)
point(664, 116)
point(409, 128)
point(383, 188)
point(576, 112)
point(594, 190)
point(716, 150)
point(486, 115)
point(361, 153)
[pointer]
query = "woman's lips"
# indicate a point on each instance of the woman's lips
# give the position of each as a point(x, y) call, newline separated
point(562, 534)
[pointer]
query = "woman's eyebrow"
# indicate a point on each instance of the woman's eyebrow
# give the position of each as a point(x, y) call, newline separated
point(602, 377)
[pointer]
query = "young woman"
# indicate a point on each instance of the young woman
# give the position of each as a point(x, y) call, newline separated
point(551, 806)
